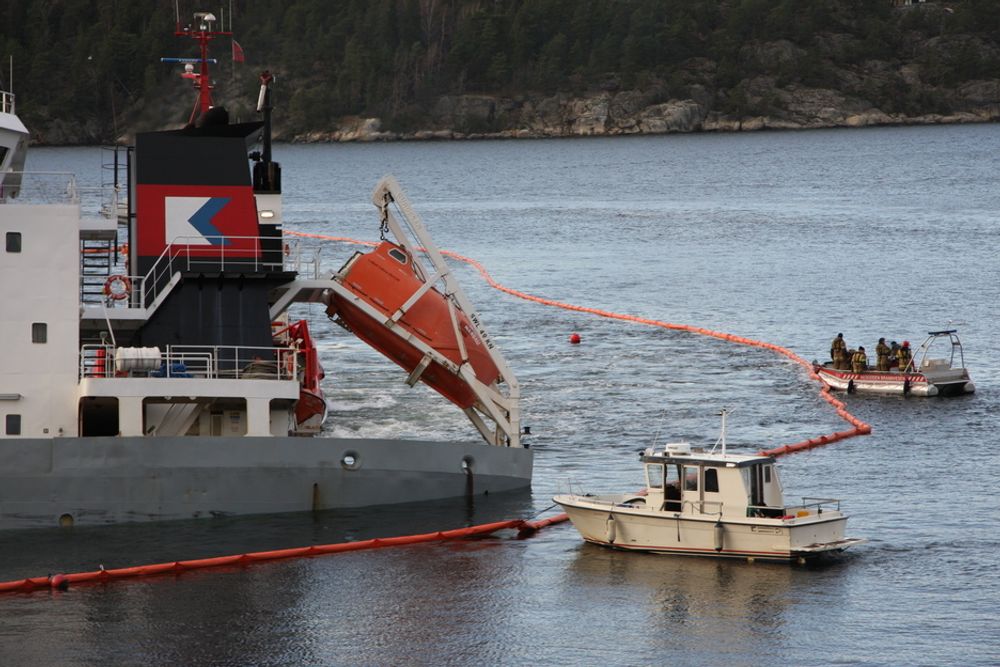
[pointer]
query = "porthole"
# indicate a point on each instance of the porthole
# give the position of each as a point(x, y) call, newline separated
point(350, 461)
point(66, 521)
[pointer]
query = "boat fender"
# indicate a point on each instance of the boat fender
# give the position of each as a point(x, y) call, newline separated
point(720, 535)
point(611, 529)
point(850, 386)
point(117, 287)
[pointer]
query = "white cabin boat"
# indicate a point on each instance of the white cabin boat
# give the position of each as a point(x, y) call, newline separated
point(708, 504)
point(937, 369)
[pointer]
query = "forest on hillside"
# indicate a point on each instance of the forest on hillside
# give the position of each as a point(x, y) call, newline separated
point(94, 65)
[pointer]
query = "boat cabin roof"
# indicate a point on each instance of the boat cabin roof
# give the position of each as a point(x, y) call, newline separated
point(683, 453)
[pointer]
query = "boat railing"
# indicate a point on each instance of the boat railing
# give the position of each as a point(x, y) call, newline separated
point(211, 362)
point(6, 102)
point(43, 187)
point(713, 507)
point(817, 504)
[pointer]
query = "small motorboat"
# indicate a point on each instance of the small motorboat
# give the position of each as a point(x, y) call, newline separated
point(937, 369)
point(710, 504)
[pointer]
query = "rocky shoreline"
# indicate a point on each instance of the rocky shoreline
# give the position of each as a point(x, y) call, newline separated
point(627, 113)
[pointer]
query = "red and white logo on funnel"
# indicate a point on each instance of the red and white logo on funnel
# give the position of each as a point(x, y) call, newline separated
point(189, 220)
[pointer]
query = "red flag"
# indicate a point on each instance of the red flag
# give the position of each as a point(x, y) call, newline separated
point(238, 56)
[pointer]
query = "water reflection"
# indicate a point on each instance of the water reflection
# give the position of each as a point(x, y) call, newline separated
point(692, 599)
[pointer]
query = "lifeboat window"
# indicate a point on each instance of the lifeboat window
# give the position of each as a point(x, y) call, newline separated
point(711, 480)
point(13, 241)
point(13, 425)
point(654, 475)
point(398, 255)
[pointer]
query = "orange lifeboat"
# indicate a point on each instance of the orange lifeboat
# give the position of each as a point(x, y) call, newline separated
point(385, 279)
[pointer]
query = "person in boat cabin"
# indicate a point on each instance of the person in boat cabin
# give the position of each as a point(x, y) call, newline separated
point(904, 356)
point(859, 361)
point(838, 352)
point(882, 355)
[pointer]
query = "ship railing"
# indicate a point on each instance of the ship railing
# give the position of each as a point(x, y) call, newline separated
point(40, 187)
point(303, 257)
point(211, 362)
point(207, 253)
point(215, 254)
point(6, 102)
point(94, 288)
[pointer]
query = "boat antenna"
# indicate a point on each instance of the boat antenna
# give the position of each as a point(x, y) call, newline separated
point(659, 427)
point(722, 435)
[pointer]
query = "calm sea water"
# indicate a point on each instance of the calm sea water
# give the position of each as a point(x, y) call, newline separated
point(785, 237)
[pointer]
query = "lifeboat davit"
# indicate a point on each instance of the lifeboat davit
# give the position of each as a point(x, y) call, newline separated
point(385, 279)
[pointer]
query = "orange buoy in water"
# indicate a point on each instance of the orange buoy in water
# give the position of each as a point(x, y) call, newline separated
point(574, 339)
point(59, 582)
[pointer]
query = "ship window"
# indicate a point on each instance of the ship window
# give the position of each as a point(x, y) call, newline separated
point(13, 425)
point(690, 478)
point(13, 241)
point(711, 480)
point(767, 474)
point(39, 332)
point(398, 255)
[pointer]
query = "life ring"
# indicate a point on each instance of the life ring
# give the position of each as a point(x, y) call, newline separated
point(117, 287)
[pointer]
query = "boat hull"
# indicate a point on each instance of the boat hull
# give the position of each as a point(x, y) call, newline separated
point(133, 479)
point(952, 383)
point(636, 529)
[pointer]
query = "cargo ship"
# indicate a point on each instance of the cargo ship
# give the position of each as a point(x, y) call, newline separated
point(152, 371)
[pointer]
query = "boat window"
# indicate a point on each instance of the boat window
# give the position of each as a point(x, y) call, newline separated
point(711, 480)
point(398, 255)
point(13, 241)
point(690, 478)
point(654, 475)
point(13, 425)
point(39, 332)
point(767, 474)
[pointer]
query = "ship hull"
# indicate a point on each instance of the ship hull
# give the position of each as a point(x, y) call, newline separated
point(93, 481)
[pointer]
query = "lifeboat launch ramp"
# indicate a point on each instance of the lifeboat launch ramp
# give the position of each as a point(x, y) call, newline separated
point(419, 317)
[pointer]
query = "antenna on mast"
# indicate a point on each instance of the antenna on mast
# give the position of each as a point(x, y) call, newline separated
point(722, 435)
point(203, 30)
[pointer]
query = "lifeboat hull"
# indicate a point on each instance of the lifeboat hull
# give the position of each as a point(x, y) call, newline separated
point(385, 279)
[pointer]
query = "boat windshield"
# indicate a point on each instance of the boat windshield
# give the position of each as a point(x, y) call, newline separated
point(654, 475)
